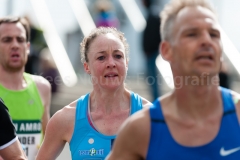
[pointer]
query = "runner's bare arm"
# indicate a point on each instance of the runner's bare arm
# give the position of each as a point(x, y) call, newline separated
point(13, 152)
point(44, 88)
point(58, 132)
point(132, 140)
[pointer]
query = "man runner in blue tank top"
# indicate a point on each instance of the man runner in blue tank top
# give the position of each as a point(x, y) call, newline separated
point(198, 119)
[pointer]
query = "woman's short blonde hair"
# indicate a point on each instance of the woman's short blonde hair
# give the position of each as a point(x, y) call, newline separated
point(86, 42)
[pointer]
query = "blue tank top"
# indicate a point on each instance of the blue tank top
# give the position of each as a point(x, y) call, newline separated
point(86, 142)
point(225, 146)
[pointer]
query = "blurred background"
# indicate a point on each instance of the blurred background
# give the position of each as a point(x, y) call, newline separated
point(58, 26)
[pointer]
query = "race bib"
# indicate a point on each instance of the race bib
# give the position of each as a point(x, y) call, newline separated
point(29, 135)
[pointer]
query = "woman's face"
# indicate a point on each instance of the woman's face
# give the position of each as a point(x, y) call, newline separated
point(107, 63)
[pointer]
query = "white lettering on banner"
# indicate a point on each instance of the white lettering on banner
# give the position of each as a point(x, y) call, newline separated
point(30, 127)
point(33, 126)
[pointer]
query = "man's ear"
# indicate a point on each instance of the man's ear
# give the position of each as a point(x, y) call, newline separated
point(166, 51)
point(28, 48)
point(86, 68)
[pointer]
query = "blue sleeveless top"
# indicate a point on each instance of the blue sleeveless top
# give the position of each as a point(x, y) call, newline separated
point(225, 146)
point(86, 142)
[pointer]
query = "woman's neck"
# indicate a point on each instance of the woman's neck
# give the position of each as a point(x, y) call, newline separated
point(108, 102)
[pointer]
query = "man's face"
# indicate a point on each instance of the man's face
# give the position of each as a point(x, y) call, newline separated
point(196, 45)
point(14, 48)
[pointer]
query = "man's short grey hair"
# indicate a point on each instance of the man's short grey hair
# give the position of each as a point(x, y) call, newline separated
point(171, 10)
